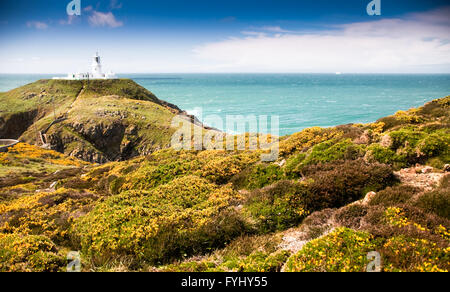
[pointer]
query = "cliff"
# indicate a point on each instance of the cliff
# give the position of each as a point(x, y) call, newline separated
point(96, 121)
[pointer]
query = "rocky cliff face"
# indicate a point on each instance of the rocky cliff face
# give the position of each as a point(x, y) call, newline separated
point(96, 121)
point(13, 125)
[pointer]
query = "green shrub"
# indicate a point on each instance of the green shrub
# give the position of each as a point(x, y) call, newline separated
point(437, 202)
point(405, 254)
point(149, 175)
point(331, 151)
point(258, 262)
point(381, 154)
point(416, 146)
point(221, 170)
point(406, 135)
point(324, 152)
point(187, 216)
point(277, 207)
point(190, 267)
point(292, 163)
point(343, 250)
point(434, 144)
point(29, 254)
point(262, 175)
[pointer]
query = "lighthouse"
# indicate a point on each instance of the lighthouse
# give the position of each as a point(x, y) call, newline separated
point(96, 67)
point(96, 72)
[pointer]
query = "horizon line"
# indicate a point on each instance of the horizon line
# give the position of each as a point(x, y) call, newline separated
point(275, 73)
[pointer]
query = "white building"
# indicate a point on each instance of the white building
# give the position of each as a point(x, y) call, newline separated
point(96, 72)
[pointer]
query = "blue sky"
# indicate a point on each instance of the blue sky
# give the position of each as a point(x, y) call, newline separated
point(226, 36)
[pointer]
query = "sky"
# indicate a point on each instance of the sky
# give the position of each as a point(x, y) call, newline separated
point(210, 36)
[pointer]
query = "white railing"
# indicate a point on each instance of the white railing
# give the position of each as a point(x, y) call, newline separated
point(6, 143)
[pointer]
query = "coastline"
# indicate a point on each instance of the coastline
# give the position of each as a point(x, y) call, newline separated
point(300, 100)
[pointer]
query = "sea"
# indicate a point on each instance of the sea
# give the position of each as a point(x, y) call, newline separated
point(299, 100)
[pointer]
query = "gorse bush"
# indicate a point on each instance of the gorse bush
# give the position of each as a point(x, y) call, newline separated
point(49, 214)
point(378, 153)
point(343, 250)
point(258, 176)
point(332, 150)
point(305, 139)
point(187, 216)
point(258, 253)
point(417, 255)
point(292, 164)
point(409, 117)
point(166, 165)
point(406, 136)
point(29, 254)
point(220, 171)
point(417, 146)
point(277, 207)
point(324, 152)
point(257, 262)
point(434, 144)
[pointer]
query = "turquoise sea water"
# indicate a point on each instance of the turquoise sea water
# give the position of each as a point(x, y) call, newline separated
point(300, 100)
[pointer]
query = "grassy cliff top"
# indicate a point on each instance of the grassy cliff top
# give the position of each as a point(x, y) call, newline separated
point(42, 92)
point(98, 120)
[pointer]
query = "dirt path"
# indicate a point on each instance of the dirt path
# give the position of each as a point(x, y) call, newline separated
point(420, 178)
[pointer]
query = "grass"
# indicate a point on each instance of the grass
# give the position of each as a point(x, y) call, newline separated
point(40, 93)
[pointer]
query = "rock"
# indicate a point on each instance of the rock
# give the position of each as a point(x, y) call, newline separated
point(281, 163)
point(386, 141)
point(447, 168)
point(427, 169)
point(369, 198)
point(364, 139)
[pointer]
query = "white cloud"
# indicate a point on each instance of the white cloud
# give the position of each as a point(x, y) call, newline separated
point(275, 29)
point(389, 45)
point(37, 25)
point(104, 19)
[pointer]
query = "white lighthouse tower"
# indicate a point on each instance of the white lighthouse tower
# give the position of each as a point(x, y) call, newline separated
point(96, 72)
point(96, 67)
